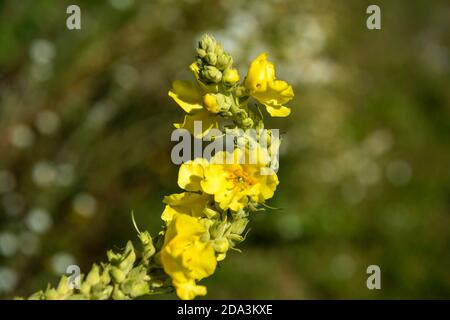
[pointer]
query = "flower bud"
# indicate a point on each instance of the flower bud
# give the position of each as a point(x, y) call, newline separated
point(207, 43)
point(236, 237)
point(211, 58)
point(94, 275)
point(218, 229)
point(230, 76)
point(129, 257)
point(63, 286)
point(139, 289)
point(112, 256)
point(210, 103)
point(105, 278)
point(210, 213)
point(201, 53)
point(117, 274)
point(218, 50)
point(147, 243)
point(118, 294)
point(221, 245)
point(238, 226)
point(210, 74)
point(51, 294)
point(85, 288)
point(224, 61)
point(36, 296)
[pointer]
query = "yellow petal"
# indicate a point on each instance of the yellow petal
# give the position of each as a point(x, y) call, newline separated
point(203, 117)
point(257, 75)
point(188, 203)
point(187, 95)
point(281, 111)
point(200, 259)
point(215, 179)
point(168, 213)
point(189, 290)
point(191, 173)
point(183, 225)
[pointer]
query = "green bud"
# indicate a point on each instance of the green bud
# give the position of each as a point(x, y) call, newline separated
point(139, 289)
point(253, 206)
point(85, 288)
point(207, 43)
point(218, 50)
point(93, 276)
point(238, 226)
point(236, 237)
point(105, 278)
point(118, 294)
point(117, 274)
point(210, 74)
point(210, 213)
point(218, 229)
point(113, 257)
point(37, 296)
point(221, 245)
point(63, 286)
point(51, 294)
point(100, 292)
point(147, 243)
point(201, 53)
point(128, 259)
point(211, 58)
point(224, 61)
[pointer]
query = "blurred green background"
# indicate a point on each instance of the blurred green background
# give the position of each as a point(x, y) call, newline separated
point(85, 125)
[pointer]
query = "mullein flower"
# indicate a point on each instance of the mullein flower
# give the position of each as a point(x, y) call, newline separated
point(190, 97)
point(264, 87)
point(189, 203)
point(185, 257)
point(232, 183)
point(235, 184)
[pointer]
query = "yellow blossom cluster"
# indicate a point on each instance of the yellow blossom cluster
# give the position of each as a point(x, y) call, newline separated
point(210, 216)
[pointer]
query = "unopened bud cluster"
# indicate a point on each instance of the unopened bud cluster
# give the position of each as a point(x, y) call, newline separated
point(215, 64)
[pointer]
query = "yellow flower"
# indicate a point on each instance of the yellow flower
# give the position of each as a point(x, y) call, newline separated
point(187, 95)
point(189, 203)
point(185, 258)
point(264, 87)
point(190, 97)
point(205, 122)
point(230, 178)
point(191, 174)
